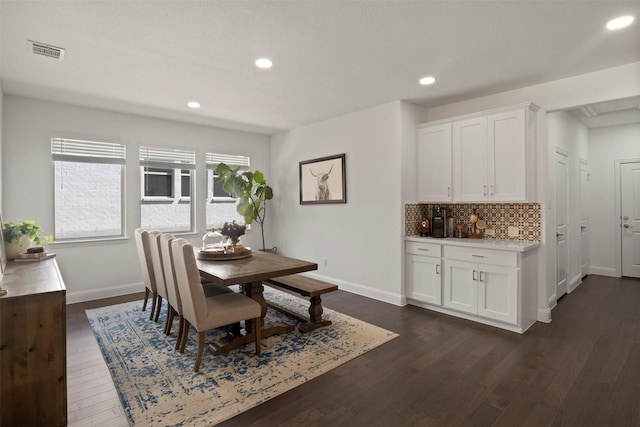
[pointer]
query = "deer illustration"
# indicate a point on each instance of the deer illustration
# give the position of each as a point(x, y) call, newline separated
point(323, 186)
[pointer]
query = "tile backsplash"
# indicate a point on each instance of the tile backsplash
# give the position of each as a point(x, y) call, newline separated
point(498, 216)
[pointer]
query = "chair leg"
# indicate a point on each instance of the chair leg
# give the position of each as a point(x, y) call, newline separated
point(185, 335)
point(180, 332)
point(158, 308)
point(154, 297)
point(169, 320)
point(256, 331)
point(146, 297)
point(200, 351)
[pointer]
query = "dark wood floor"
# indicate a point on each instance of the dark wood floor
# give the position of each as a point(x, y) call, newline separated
point(582, 369)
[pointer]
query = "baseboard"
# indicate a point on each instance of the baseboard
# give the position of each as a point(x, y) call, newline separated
point(365, 291)
point(544, 315)
point(112, 291)
point(575, 282)
point(605, 271)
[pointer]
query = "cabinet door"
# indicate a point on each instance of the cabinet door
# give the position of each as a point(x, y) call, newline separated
point(507, 163)
point(498, 293)
point(470, 160)
point(460, 286)
point(433, 153)
point(424, 281)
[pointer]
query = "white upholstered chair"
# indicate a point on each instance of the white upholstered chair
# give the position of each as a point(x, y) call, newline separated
point(173, 293)
point(212, 312)
point(144, 255)
point(153, 238)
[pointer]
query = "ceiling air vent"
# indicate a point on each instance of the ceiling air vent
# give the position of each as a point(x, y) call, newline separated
point(46, 50)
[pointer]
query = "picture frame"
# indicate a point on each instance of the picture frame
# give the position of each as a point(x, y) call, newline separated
point(323, 180)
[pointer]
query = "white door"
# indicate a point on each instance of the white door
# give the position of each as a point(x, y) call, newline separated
point(424, 282)
point(434, 163)
point(506, 158)
point(498, 293)
point(561, 172)
point(470, 160)
point(630, 210)
point(584, 218)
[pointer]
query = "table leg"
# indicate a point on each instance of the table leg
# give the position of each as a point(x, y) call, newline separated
point(232, 341)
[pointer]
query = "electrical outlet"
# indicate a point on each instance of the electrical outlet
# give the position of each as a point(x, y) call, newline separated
point(325, 262)
point(513, 231)
point(490, 232)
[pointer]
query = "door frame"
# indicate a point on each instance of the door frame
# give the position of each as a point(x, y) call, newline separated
point(618, 210)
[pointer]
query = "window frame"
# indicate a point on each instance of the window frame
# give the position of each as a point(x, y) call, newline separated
point(104, 152)
point(177, 160)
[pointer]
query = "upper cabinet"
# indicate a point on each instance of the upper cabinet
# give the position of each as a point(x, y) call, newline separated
point(492, 157)
point(434, 163)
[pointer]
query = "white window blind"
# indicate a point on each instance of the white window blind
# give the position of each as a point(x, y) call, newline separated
point(213, 160)
point(167, 158)
point(75, 150)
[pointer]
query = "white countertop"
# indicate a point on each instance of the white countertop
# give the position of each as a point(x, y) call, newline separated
point(499, 244)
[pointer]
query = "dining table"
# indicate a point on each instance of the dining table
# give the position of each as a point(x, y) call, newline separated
point(249, 273)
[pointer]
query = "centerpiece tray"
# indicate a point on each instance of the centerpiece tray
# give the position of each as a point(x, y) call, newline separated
point(220, 255)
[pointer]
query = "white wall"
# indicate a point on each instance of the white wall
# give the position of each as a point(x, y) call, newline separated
point(361, 240)
point(569, 134)
point(101, 269)
point(604, 85)
point(606, 145)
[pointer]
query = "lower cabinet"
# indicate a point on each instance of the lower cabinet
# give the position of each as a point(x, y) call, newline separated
point(495, 287)
point(482, 289)
point(424, 273)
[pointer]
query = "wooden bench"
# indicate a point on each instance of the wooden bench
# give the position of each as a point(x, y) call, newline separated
point(308, 287)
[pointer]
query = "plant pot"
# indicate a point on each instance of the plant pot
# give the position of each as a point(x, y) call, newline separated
point(12, 250)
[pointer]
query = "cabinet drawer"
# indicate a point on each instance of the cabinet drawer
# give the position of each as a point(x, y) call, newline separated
point(484, 256)
point(425, 249)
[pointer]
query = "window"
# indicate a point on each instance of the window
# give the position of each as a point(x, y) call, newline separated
point(88, 189)
point(167, 185)
point(221, 206)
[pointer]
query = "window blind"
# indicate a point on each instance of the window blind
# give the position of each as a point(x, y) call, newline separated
point(167, 158)
point(75, 150)
point(214, 159)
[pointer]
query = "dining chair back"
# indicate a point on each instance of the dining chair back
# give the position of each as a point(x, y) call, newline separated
point(144, 256)
point(212, 312)
point(153, 238)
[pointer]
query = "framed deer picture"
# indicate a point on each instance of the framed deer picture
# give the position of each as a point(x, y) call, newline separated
point(323, 180)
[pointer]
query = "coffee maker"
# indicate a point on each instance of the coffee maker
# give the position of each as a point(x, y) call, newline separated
point(439, 222)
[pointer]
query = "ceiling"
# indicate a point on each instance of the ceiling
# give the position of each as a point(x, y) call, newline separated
point(330, 57)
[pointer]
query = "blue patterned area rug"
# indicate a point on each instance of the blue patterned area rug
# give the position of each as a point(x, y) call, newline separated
point(157, 385)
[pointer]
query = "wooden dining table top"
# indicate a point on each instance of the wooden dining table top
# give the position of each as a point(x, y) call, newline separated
point(256, 268)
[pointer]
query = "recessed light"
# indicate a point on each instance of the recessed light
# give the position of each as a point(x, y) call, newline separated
point(427, 81)
point(193, 104)
point(621, 22)
point(264, 63)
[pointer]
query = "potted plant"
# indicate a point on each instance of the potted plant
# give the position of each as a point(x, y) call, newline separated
point(251, 190)
point(19, 236)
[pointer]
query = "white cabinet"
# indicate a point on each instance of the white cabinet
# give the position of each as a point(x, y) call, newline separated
point(491, 282)
point(485, 157)
point(433, 156)
point(482, 282)
point(490, 158)
point(424, 273)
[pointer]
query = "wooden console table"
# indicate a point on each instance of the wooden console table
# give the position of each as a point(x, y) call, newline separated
point(33, 345)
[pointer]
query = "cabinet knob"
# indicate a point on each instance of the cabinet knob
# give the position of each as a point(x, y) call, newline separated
point(437, 268)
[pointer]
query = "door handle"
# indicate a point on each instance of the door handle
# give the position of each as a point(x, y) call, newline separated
point(626, 226)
